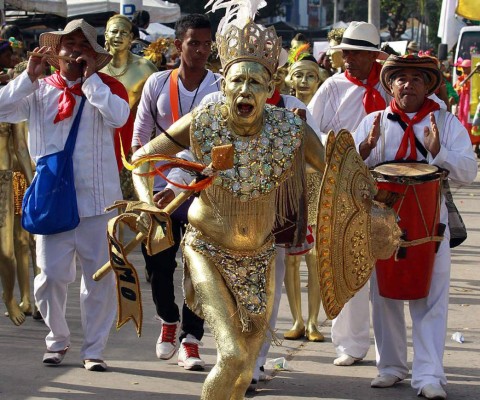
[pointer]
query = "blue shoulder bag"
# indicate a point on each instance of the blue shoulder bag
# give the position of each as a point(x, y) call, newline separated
point(50, 202)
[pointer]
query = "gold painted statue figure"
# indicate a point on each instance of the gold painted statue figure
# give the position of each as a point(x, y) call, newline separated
point(335, 55)
point(304, 77)
point(229, 249)
point(8, 245)
point(13, 256)
point(132, 71)
point(128, 68)
point(24, 242)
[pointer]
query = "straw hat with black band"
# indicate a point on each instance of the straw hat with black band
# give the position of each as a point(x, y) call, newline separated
point(360, 36)
point(52, 39)
point(428, 65)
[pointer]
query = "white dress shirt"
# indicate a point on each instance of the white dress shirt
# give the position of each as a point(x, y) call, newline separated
point(97, 182)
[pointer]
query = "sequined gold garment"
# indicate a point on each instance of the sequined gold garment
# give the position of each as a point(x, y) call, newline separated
point(271, 160)
point(259, 161)
point(246, 274)
point(5, 193)
point(19, 188)
point(314, 181)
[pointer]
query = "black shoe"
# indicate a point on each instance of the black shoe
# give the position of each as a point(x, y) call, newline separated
point(253, 386)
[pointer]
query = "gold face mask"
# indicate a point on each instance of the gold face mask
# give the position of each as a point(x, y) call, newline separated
point(247, 86)
point(304, 79)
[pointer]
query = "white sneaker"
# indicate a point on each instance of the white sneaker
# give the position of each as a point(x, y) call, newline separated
point(188, 356)
point(345, 360)
point(167, 341)
point(384, 381)
point(434, 392)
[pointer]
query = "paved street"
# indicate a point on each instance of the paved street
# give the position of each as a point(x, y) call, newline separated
point(135, 373)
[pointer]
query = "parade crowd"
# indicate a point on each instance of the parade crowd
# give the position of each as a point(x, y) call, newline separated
point(133, 99)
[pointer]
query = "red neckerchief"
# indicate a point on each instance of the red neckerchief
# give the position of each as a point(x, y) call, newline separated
point(66, 101)
point(409, 136)
point(66, 104)
point(276, 96)
point(123, 136)
point(372, 99)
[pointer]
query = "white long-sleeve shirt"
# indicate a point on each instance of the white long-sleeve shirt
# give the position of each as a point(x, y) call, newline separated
point(338, 104)
point(155, 110)
point(97, 182)
point(456, 153)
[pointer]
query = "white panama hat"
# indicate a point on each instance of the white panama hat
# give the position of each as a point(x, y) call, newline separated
point(360, 36)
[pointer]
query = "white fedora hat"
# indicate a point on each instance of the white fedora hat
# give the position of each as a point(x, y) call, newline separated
point(360, 36)
point(52, 39)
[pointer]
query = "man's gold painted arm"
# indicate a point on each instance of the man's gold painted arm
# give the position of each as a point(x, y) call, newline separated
point(180, 131)
point(314, 150)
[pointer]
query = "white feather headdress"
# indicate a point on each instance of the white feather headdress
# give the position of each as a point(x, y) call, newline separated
point(239, 38)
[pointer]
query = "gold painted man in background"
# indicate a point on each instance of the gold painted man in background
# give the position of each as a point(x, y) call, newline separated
point(229, 248)
point(304, 78)
point(335, 55)
point(8, 262)
point(131, 70)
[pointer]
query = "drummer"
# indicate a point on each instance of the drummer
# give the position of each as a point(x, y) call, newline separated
point(413, 128)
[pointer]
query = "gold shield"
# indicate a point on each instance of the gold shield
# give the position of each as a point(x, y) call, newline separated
point(344, 253)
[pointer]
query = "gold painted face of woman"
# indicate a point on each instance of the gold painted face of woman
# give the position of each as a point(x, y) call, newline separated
point(304, 79)
point(118, 36)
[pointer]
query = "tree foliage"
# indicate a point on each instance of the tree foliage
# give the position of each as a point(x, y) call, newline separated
point(397, 13)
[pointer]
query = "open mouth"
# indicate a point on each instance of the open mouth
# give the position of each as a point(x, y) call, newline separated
point(244, 109)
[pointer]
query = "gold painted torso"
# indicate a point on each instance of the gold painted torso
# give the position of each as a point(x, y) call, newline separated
point(239, 209)
point(133, 76)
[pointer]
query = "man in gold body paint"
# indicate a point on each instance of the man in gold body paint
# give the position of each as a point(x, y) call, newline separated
point(132, 71)
point(229, 248)
point(8, 261)
point(304, 78)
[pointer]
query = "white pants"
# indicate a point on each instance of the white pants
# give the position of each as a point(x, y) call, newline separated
point(429, 325)
point(56, 257)
point(279, 276)
point(351, 328)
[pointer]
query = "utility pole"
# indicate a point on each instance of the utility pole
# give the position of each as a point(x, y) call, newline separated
point(374, 13)
point(335, 11)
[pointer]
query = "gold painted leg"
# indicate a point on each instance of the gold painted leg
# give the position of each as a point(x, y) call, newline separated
point(314, 299)
point(292, 286)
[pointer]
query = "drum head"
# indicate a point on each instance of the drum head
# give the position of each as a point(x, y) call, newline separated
point(413, 170)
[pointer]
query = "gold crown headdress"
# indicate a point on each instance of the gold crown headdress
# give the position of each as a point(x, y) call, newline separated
point(239, 38)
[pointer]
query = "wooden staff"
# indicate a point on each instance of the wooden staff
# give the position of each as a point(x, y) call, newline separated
point(469, 76)
point(222, 159)
point(66, 58)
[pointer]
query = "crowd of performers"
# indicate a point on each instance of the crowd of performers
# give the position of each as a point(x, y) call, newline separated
point(276, 109)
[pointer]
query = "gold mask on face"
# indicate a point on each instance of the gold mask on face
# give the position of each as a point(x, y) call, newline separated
point(247, 86)
point(304, 79)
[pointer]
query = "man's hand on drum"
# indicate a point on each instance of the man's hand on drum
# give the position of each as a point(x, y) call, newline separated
point(371, 140)
point(432, 138)
point(163, 198)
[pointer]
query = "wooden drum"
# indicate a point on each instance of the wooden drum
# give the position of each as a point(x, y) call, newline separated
point(407, 274)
